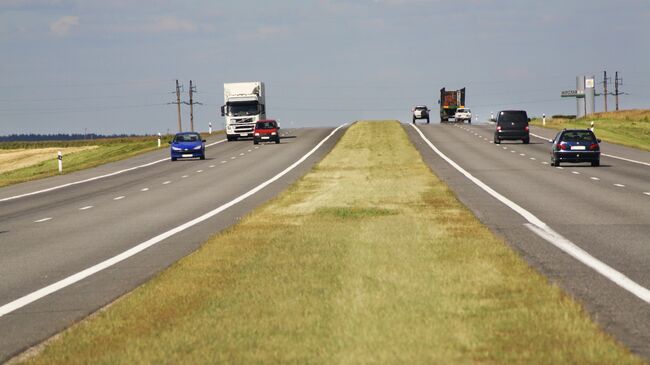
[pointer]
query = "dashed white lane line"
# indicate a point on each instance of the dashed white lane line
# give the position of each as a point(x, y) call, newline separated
point(533, 158)
point(184, 176)
point(199, 171)
point(96, 177)
point(250, 150)
point(241, 154)
point(166, 182)
point(522, 154)
point(211, 166)
point(75, 278)
point(513, 151)
point(224, 161)
point(646, 192)
point(144, 189)
point(559, 167)
point(505, 148)
point(43, 220)
point(594, 178)
point(540, 228)
point(544, 163)
point(86, 207)
point(256, 148)
point(619, 185)
point(575, 172)
point(119, 197)
point(233, 157)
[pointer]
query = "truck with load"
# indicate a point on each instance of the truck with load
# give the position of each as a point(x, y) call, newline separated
point(450, 100)
point(244, 105)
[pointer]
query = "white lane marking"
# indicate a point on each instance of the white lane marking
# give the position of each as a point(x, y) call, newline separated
point(533, 158)
point(559, 167)
point(604, 154)
point(199, 171)
point(505, 148)
point(250, 150)
point(94, 178)
point(184, 176)
point(233, 157)
point(211, 166)
point(241, 154)
point(72, 279)
point(646, 192)
point(86, 207)
point(224, 161)
point(256, 147)
point(619, 185)
point(119, 197)
point(594, 178)
point(43, 220)
point(547, 233)
point(522, 154)
point(544, 163)
point(575, 172)
point(144, 189)
point(513, 151)
point(166, 182)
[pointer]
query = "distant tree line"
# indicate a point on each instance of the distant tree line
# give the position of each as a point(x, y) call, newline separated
point(61, 137)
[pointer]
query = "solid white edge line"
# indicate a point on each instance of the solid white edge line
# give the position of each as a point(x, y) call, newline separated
point(603, 154)
point(86, 207)
point(547, 233)
point(52, 288)
point(95, 178)
point(43, 220)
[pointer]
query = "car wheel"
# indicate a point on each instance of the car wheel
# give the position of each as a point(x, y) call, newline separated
point(557, 163)
point(173, 158)
point(496, 140)
point(277, 140)
point(595, 163)
point(202, 157)
point(526, 140)
point(255, 141)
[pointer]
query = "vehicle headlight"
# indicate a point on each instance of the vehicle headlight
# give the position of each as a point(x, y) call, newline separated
point(197, 147)
point(257, 134)
point(176, 148)
point(273, 133)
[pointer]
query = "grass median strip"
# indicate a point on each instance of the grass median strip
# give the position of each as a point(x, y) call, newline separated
point(368, 258)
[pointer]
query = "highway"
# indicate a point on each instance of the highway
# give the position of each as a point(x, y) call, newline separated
point(146, 204)
point(604, 211)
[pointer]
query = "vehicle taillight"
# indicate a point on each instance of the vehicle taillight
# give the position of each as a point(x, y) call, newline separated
point(593, 147)
point(498, 128)
point(526, 128)
point(561, 146)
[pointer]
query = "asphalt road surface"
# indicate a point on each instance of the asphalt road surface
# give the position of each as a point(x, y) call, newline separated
point(604, 210)
point(50, 236)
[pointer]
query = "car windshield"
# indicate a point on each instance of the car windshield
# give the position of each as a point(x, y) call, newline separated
point(265, 125)
point(577, 136)
point(513, 117)
point(245, 108)
point(463, 110)
point(187, 138)
point(420, 108)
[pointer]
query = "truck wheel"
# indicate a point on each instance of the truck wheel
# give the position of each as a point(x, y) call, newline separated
point(255, 141)
point(413, 120)
point(277, 140)
point(526, 140)
point(427, 120)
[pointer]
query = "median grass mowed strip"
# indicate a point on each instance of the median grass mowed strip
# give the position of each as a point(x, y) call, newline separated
point(626, 127)
point(367, 258)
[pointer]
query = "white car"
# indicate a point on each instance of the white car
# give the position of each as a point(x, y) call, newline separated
point(420, 112)
point(463, 114)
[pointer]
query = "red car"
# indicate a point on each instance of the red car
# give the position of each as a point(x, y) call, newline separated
point(266, 131)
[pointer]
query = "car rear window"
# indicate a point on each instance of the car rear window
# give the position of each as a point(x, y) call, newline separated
point(187, 138)
point(514, 116)
point(578, 136)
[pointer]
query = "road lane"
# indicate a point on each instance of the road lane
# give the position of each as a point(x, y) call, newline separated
point(37, 255)
point(609, 222)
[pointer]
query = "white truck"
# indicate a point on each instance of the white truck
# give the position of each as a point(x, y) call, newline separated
point(244, 105)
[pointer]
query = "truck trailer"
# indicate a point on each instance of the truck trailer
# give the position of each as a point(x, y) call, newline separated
point(244, 105)
point(450, 100)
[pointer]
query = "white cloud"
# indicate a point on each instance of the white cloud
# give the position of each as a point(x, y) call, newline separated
point(62, 26)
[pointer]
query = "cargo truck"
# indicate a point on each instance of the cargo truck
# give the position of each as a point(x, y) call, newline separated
point(450, 100)
point(244, 105)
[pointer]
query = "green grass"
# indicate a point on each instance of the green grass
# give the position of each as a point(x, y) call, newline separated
point(109, 150)
point(627, 127)
point(369, 258)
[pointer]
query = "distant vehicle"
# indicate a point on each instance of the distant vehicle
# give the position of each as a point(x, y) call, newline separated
point(244, 105)
point(187, 145)
point(421, 112)
point(449, 102)
point(266, 131)
point(463, 114)
point(575, 145)
point(512, 125)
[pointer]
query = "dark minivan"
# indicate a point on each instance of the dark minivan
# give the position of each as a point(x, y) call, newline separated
point(512, 125)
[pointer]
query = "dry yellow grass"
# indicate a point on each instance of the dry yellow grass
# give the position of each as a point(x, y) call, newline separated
point(19, 158)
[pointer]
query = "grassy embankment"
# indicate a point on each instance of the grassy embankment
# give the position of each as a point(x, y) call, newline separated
point(24, 161)
point(626, 127)
point(368, 258)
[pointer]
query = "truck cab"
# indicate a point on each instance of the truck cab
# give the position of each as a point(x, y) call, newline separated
point(244, 105)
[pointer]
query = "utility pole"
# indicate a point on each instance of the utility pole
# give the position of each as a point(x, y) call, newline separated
point(605, 89)
point(617, 82)
point(191, 104)
point(178, 104)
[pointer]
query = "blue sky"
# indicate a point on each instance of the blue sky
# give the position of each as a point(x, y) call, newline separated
point(109, 66)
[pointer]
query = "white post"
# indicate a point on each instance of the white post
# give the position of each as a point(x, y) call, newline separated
point(592, 126)
point(543, 119)
point(491, 116)
point(210, 127)
point(60, 158)
point(159, 140)
point(476, 118)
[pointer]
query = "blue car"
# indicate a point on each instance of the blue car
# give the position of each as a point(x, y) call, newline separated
point(575, 145)
point(187, 145)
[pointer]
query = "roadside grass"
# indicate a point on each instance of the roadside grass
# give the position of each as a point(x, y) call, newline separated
point(369, 258)
point(90, 153)
point(626, 127)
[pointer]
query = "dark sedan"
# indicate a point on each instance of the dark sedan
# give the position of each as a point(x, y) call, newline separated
point(575, 145)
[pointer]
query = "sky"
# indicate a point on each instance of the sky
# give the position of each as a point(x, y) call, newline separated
point(82, 66)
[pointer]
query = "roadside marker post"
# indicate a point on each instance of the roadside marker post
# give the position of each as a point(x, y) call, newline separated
point(543, 119)
point(209, 127)
point(592, 126)
point(60, 158)
point(159, 136)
